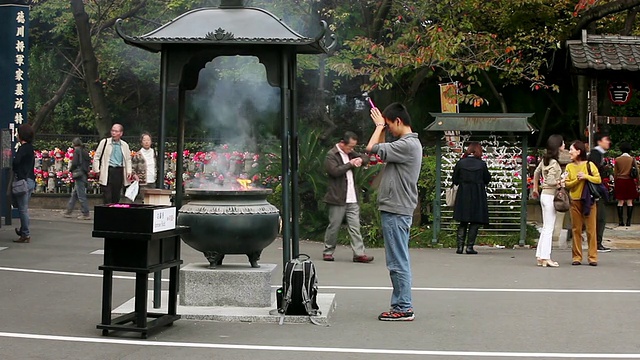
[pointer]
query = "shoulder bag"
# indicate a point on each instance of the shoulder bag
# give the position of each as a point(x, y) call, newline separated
point(19, 187)
point(561, 200)
point(634, 169)
point(598, 191)
point(450, 195)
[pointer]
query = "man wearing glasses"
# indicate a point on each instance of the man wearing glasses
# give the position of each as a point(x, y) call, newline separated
point(112, 165)
point(342, 199)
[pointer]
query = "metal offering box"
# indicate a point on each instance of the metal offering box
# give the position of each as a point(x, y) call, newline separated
point(134, 218)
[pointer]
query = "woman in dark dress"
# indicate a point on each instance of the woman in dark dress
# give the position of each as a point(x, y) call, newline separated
point(23, 163)
point(625, 183)
point(471, 210)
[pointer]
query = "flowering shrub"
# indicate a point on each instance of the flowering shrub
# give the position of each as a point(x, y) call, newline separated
point(222, 166)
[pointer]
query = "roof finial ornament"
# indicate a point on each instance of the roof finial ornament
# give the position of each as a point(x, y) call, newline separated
point(231, 4)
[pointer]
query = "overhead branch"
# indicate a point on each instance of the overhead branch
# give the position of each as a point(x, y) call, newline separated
point(133, 11)
point(598, 12)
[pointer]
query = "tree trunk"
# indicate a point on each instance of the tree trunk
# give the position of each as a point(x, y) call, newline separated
point(320, 101)
point(583, 89)
point(629, 22)
point(496, 93)
point(417, 81)
point(379, 18)
point(90, 67)
point(48, 107)
point(543, 127)
point(601, 11)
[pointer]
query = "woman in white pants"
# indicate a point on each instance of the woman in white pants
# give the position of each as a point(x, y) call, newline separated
point(551, 173)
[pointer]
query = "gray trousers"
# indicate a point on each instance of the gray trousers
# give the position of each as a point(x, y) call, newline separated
point(336, 215)
point(601, 220)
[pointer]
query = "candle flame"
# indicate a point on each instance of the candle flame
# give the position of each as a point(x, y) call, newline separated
point(244, 183)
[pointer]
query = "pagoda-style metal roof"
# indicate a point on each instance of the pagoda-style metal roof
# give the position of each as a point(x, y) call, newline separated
point(605, 52)
point(230, 24)
point(481, 122)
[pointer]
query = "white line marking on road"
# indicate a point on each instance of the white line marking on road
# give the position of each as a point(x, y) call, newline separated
point(589, 291)
point(66, 273)
point(375, 288)
point(317, 349)
point(3, 248)
point(97, 252)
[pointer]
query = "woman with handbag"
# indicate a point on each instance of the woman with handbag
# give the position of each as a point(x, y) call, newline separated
point(549, 169)
point(583, 207)
point(625, 172)
point(79, 171)
point(23, 164)
point(471, 209)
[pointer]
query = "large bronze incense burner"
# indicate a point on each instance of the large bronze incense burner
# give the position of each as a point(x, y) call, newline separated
point(229, 222)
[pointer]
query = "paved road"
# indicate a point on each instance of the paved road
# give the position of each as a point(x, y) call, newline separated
point(497, 304)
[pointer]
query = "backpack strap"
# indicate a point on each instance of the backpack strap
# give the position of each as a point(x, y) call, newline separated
point(102, 153)
point(289, 268)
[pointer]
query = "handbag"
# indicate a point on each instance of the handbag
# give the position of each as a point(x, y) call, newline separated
point(598, 191)
point(561, 200)
point(450, 195)
point(634, 170)
point(19, 187)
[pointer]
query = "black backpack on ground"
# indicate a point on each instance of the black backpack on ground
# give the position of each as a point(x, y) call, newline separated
point(299, 290)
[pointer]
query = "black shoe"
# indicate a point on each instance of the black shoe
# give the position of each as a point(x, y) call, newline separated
point(602, 248)
point(593, 263)
point(18, 232)
point(576, 263)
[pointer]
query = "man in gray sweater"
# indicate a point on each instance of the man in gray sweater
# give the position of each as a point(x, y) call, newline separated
point(397, 199)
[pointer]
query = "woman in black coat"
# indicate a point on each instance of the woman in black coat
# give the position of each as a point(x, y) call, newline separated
point(471, 210)
point(23, 163)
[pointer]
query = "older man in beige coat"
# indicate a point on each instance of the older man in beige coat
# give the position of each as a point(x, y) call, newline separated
point(112, 163)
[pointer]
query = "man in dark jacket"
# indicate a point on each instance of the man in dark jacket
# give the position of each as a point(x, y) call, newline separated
point(342, 199)
point(596, 156)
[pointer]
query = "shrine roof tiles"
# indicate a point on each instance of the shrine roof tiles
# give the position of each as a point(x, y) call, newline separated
point(605, 52)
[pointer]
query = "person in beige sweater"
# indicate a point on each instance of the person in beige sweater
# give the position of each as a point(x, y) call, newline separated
point(551, 173)
point(625, 183)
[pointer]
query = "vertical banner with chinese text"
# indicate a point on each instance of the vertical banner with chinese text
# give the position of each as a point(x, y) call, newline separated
point(14, 65)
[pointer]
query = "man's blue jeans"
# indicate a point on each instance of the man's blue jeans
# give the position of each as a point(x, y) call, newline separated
point(395, 230)
point(23, 208)
point(79, 194)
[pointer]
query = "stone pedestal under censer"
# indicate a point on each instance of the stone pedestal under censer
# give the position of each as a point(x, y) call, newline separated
point(234, 292)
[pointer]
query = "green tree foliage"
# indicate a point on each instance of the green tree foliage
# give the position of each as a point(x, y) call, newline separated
point(457, 40)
